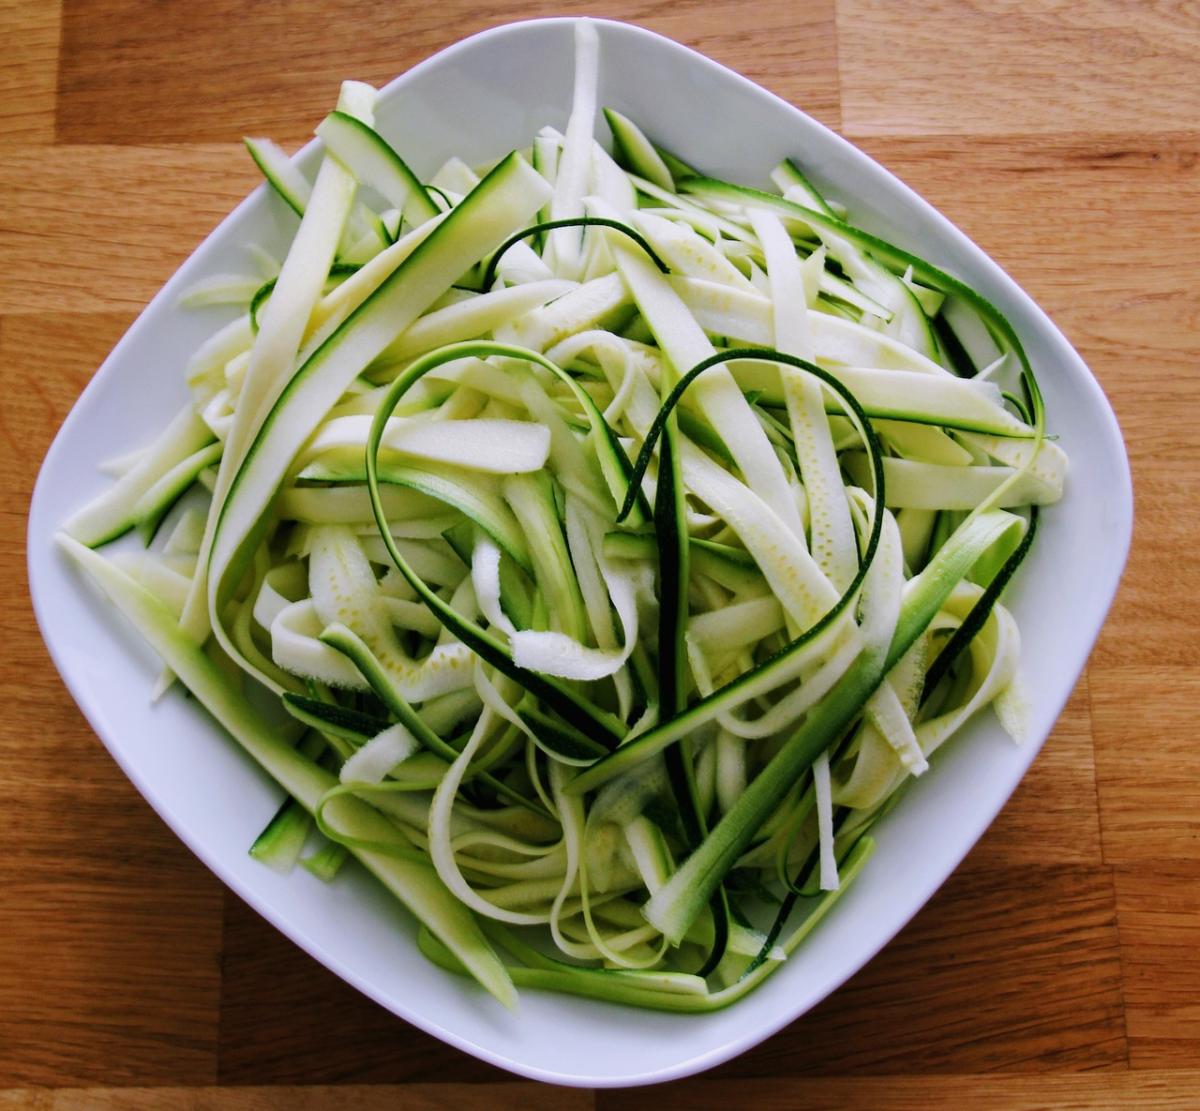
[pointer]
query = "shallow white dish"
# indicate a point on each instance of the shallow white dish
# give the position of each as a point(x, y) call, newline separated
point(481, 98)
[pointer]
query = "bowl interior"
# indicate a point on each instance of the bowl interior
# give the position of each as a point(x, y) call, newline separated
point(480, 99)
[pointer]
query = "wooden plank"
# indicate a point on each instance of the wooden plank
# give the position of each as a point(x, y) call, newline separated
point(109, 966)
point(96, 229)
point(285, 1019)
point(35, 404)
point(1156, 1091)
point(112, 982)
point(213, 72)
point(1158, 913)
point(1148, 765)
point(351, 1097)
point(28, 70)
point(1144, 664)
point(1148, 770)
point(1017, 68)
point(1054, 815)
point(1013, 969)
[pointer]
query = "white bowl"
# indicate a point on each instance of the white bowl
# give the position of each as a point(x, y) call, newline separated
point(479, 99)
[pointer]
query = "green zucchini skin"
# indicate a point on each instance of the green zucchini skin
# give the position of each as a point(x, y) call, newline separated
point(376, 163)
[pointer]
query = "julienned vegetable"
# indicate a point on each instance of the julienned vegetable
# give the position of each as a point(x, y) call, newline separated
point(616, 542)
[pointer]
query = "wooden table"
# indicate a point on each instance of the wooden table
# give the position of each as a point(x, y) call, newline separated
point(1059, 967)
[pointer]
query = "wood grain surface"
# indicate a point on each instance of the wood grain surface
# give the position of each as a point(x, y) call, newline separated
point(1058, 968)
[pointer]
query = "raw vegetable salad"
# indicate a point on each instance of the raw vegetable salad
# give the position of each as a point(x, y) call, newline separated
point(592, 548)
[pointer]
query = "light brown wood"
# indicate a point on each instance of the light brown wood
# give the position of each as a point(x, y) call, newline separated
point(1147, 1091)
point(451, 1096)
point(29, 70)
point(190, 78)
point(1058, 968)
point(982, 67)
point(1160, 938)
point(1054, 816)
point(111, 929)
point(71, 241)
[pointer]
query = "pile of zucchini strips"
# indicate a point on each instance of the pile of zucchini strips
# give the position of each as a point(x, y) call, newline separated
point(592, 548)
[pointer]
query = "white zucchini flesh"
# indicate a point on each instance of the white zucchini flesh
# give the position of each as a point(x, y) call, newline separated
point(472, 319)
point(737, 625)
point(220, 289)
point(113, 513)
point(297, 289)
point(502, 201)
point(914, 485)
point(372, 762)
point(611, 183)
point(959, 403)
point(186, 536)
point(575, 163)
point(455, 176)
point(347, 505)
point(794, 577)
point(638, 151)
point(716, 393)
point(554, 653)
point(282, 173)
point(492, 446)
point(299, 286)
point(367, 155)
point(344, 591)
point(586, 306)
point(832, 539)
point(689, 254)
point(829, 869)
point(120, 465)
point(157, 576)
point(339, 303)
point(521, 265)
point(923, 443)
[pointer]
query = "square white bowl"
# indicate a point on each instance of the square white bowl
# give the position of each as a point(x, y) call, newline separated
point(479, 99)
